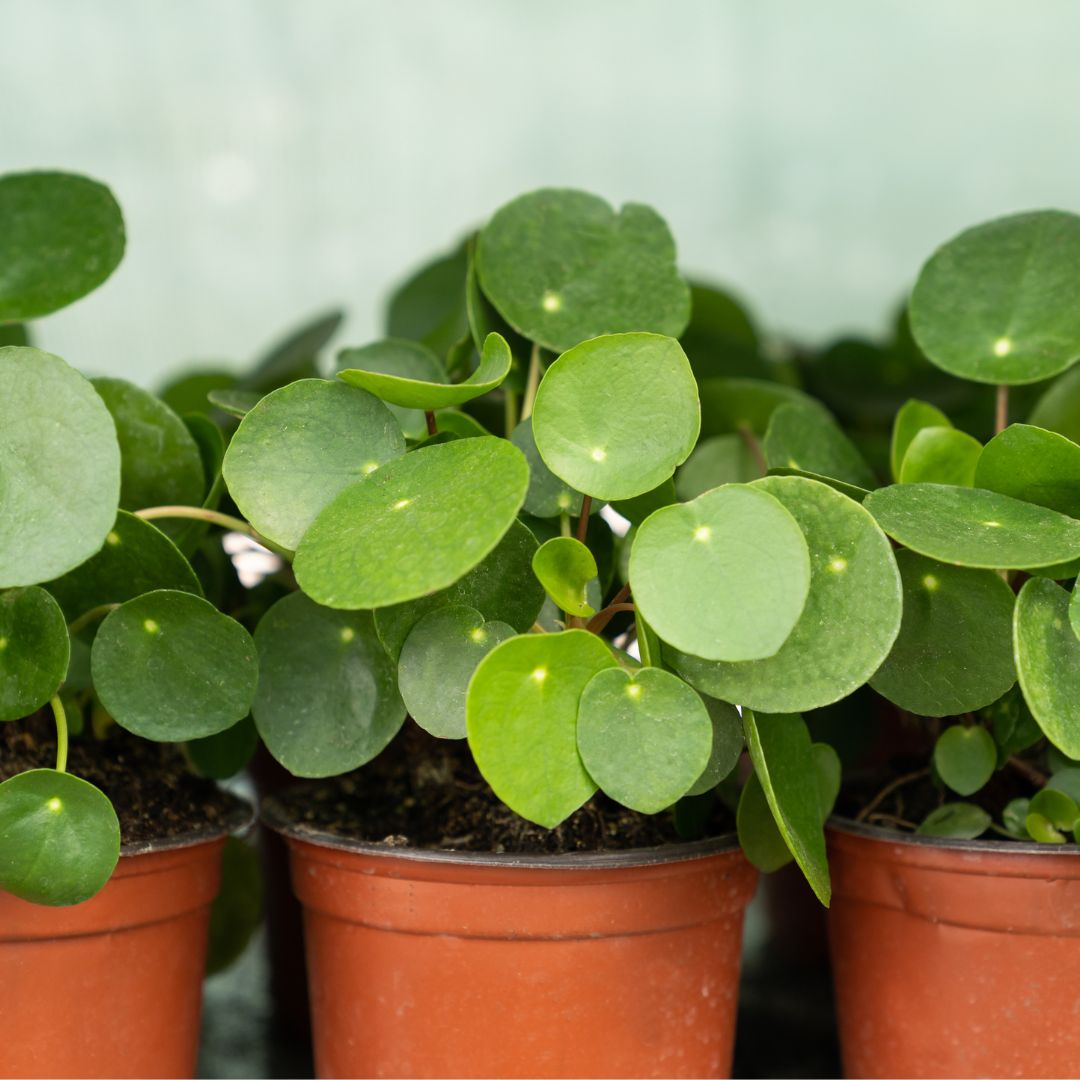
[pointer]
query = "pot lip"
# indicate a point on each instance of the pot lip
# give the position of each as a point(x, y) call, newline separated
point(913, 840)
point(239, 819)
point(276, 817)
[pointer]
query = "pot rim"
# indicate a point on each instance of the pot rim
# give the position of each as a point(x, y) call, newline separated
point(997, 847)
point(276, 817)
point(239, 819)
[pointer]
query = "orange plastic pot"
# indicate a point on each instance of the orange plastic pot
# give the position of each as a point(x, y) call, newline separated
point(426, 963)
point(953, 957)
point(112, 986)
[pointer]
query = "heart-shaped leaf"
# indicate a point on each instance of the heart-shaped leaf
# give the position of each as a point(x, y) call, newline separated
point(59, 837)
point(59, 502)
point(564, 566)
point(727, 741)
point(415, 525)
point(941, 455)
point(169, 666)
point(841, 637)
point(1000, 303)
point(955, 821)
point(1034, 465)
point(34, 650)
point(644, 738)
point(910, 419)
point(328, 699)
point(725, 576)
point(63, 236)
point(615, 415)
point(954, 651)
point(808, 440)
point(965, 757)
point(548, 496)
point(972, 527)
point(722, 459)
point(522, 708)
point(300, 447)
point(562, 266)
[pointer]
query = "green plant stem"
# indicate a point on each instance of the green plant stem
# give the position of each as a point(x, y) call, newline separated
point(532, 382)
point(432, 424)
point(747, 435)
point(509, 409)
point(583, 520)
point(215, 517)
point(87, 617)
point(564, 524)
point(1001, 411)
point(61, 732)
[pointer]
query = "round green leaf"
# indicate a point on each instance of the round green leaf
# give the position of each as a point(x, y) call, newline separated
point(1041, 829)
point(730, 405)
point(59, 502)
point(1012, 817)
point(412, 393)
point(911, 418)
point(226, 753)
point(562, 266)
point(614, 416)
point(234, 400)
point(1058, 409)
point(502, 587)
point(954, 651)
point(725, 576)
point(34, 650)
point(722, 459)
point(971, 527)
point(806, 439)
point(955, 821)
point(1000, 303)
point(328, 698)
point(644, 738)
point(62, 236)
point(461, 424)
point(413, 526)
point(565, 566)
point(521, 710)
point(849, 622)
point(1048, 662)
point(438, 660)
point(59, 837)
point(299, 447)
point(941, 455)
point(547, 496)
point(1034, 465)
point(185, 392)
point(727, 738)
point(169, 666)
point(965, 757)
point(135, 558)
point(1061, 811)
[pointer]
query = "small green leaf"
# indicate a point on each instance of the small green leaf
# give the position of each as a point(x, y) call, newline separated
point(169, 666)
point(615, 415)
point(226, 753)
point(415, 525)
point(300, 447)
point(437, 661)
point(522, 707)
point(461, 424)
point(1041, 829)
point(1061, 811)
point(731, 405)
point(59, 502)
point(645, 737)
point(429, 306)
point(294, 356)
point(759, 837)
point(727, 740)
point(564, 566)
point(911, 418)
point(955, 821)
point(237, 910)
point(562, 266)
point(954, 652)
point(1033, 465)
point(722, 459)
point(1012, 817)
point(971, 527)
point(941, 455)
point(328, 698)
point(234, 400)
point(1000, 303)
point(1067, 780)
point(210, 440)
point(34, 650)
point(965, 758)
point(186, 391)
point(1059, 407)
point(723, 577)
point(547, 496)
point(63, 235)
point(59, 837)
point(806, 439)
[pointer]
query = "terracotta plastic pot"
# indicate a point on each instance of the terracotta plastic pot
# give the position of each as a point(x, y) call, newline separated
point(112, 986)
point(953, 957)
point(426, 963)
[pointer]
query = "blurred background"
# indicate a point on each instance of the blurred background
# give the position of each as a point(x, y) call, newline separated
point(274, 157)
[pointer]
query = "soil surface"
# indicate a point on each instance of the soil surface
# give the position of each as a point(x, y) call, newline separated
point(155, 794)
point(424, 792)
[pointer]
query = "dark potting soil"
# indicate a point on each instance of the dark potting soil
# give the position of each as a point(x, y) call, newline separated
point(425, 792)
point(155, 794)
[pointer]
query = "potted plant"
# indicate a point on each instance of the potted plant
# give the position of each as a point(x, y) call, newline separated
point(109, 845)
point(954, 928)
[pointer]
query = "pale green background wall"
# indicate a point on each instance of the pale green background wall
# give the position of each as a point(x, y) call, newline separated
point(276, 156)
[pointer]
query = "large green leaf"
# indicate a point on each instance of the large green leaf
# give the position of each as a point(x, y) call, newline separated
point(415, 525)
point(437, 661)
point(548, 496)
point(61, 236)
point(643, 737)
point(1034, 465)
point(59, 468)
point(328, 699)
point(806, 439)
point(1000, 303)
point(169, 666)
point(299, 447)
point(1048, 662)
point(614, 416)
point(965, 757)
point(972, 527)
point(941, 455)
point(562, 266)
point(954, 651)
point(34, 650)
point(521, 708)
point(413, 393)
point(848, 625)
point(724, 577)
point(565, 566)
point(721, 459)
point(910, 419)
point(59, 837)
